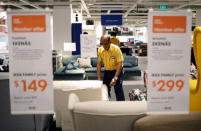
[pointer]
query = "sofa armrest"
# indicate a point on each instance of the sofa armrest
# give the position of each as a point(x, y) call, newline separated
point(136, 61)
point(86, 90)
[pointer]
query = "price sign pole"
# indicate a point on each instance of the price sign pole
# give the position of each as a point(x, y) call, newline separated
point(168, 62)
point(30, 62)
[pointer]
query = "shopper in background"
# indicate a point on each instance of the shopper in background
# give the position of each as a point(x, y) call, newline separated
point(114, 39)
point(85, 32)
point(112, 58)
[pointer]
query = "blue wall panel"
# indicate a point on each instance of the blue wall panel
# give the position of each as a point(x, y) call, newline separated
point(76, 31)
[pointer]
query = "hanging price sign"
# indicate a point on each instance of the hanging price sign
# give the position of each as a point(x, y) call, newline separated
point(30, 63)
point(168, 62)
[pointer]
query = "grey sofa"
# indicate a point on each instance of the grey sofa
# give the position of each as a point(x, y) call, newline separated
point(130, 69)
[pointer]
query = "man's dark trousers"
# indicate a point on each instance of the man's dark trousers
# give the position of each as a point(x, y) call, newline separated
point(108, 76)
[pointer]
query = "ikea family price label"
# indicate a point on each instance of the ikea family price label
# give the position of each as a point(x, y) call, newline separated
point(30, 62)
point(168, 62)
point(169, 85)
point(34, 85)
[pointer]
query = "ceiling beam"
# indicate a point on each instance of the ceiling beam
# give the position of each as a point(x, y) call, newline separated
point(40, 3)
point(85, 7)
point(128, 18)
point(131, 8)
point(144, 3)
point(28, 3)
point(19, 6)
point(105, 13)
point(187, 4)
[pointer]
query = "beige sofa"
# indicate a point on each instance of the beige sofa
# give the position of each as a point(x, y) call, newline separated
point(185, 122)
point(105, 115)
point(127, 116)
point(86, 90)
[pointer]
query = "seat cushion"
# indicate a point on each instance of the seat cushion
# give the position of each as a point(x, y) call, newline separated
point(78, 71)
point(93, 69)
point(189, 122)
point(132, 69)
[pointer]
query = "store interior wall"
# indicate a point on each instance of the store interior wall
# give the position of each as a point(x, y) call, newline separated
point(198, 17)
point(61, 27)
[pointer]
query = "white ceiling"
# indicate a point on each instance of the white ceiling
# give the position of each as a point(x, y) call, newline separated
point(133, 11)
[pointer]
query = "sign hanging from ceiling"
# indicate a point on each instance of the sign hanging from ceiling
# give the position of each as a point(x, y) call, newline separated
point(107, 20)
point(30, 63)
point(76, 17)
point(168, 62)
point(162, 7)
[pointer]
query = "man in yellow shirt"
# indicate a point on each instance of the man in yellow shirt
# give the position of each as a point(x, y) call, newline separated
point(112, 58)
point(114, 39)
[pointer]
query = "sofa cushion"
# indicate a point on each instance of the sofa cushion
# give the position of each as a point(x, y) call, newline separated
point(66, 59)
point(84, 62)
point(73, 64)
point(94, 61)
point(127, 64)
point(69, 66)
point(131, 60)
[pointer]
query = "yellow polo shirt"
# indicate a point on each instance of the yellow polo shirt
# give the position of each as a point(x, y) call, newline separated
point(115, 40)
point(110, 58)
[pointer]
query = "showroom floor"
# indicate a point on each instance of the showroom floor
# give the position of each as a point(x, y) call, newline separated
point(134, 82)
point(128, 86)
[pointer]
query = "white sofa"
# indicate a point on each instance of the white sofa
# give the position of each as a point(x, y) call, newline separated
point(85, 89)
point(105, 115)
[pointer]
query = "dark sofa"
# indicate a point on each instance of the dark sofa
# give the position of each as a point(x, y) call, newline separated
point(130, 69)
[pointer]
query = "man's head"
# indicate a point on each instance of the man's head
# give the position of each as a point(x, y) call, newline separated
point(105, 40)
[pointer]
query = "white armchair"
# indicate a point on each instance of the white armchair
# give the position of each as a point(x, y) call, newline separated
point(86, 90)
point(105, 115)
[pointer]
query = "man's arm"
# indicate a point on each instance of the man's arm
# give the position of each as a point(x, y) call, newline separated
point(119, 67)
point(99, 69)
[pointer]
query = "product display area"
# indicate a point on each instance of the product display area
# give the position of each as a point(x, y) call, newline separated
point(98, 65)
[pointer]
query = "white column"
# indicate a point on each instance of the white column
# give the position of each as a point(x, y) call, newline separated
point(198, 17)
point(61, 26)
